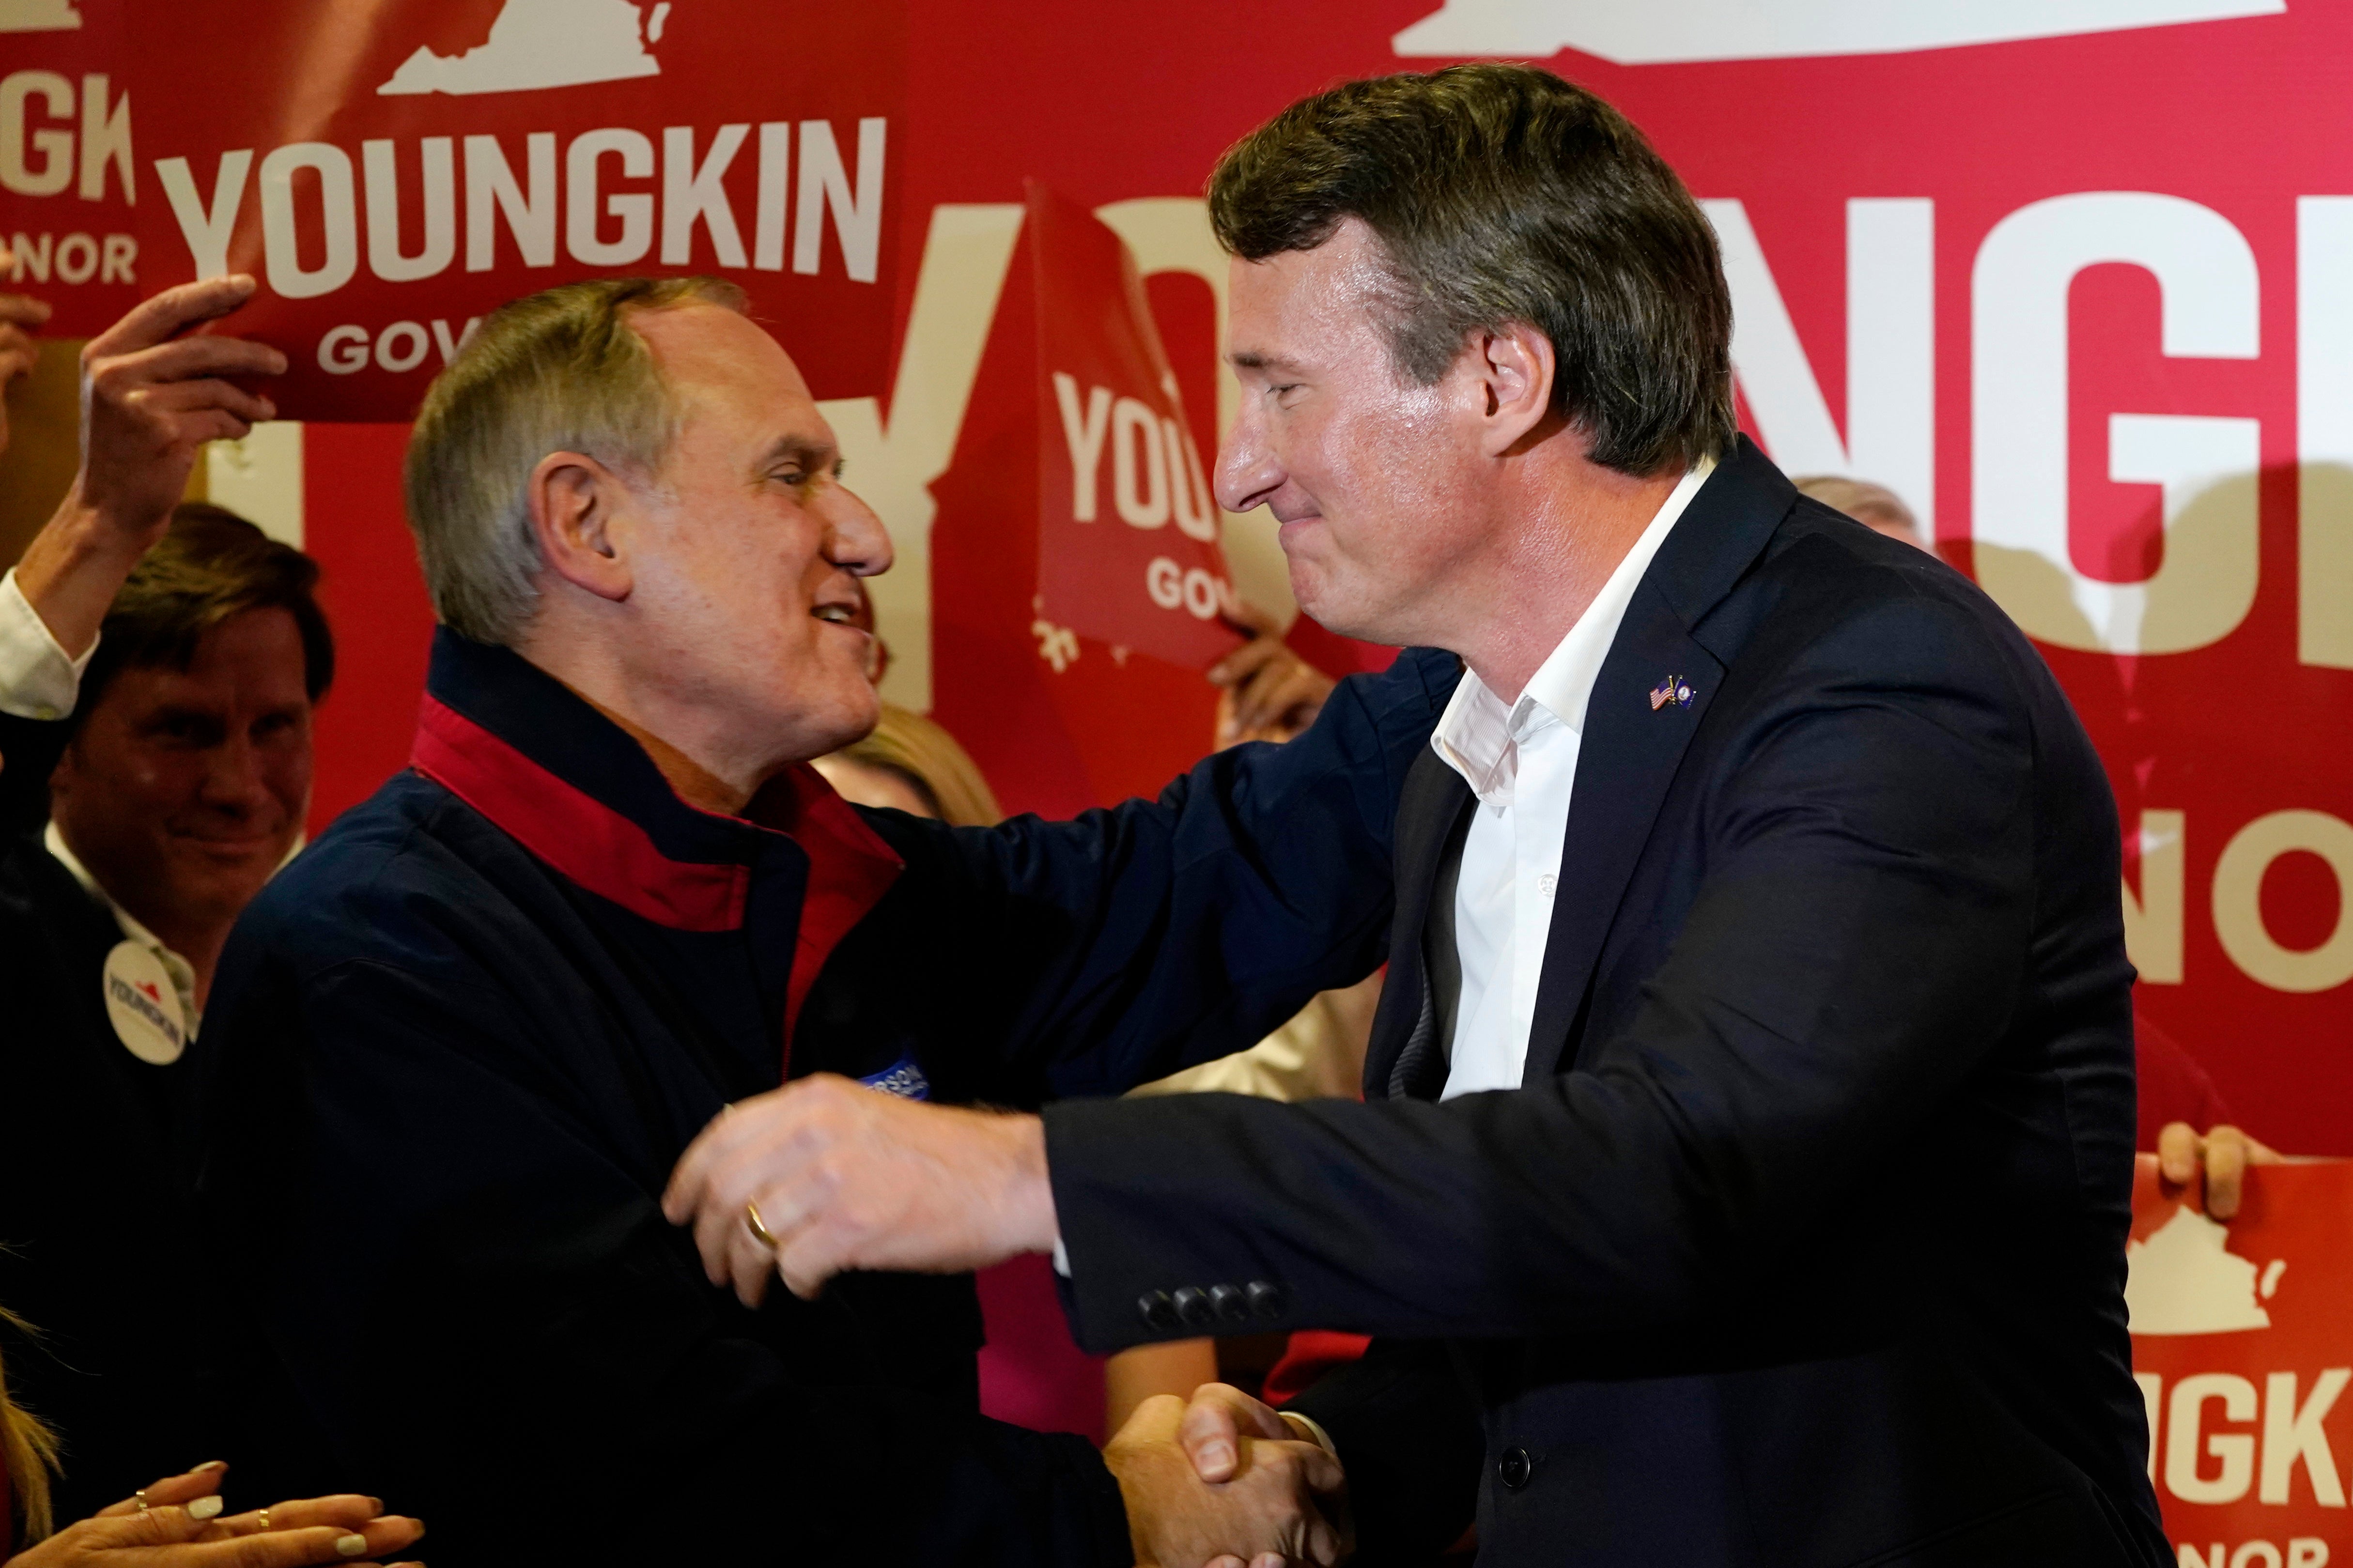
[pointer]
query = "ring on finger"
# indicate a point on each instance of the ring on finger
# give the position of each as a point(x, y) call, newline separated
point(760, 1232)
point(140, 1498)
point(261, 1518)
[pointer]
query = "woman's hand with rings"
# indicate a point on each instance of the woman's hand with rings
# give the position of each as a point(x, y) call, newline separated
point(177, 1522)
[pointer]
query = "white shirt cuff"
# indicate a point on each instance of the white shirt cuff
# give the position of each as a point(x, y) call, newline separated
point(1061, 1259)
point(37, 679)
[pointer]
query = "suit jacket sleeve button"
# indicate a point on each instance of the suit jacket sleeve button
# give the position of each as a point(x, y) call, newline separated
point(1513, 1468)
point(1266, 1299)
point(1193, 1307)
point(1229, 1304)
point(1158, 1309)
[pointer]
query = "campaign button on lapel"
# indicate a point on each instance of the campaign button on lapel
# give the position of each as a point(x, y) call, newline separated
point(142, 1005)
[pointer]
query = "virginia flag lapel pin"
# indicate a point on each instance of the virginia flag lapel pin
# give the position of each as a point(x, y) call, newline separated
point(1674, 689)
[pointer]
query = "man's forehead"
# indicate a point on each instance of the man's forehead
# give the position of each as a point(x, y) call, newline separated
point(723, 363)
point(1299, 311)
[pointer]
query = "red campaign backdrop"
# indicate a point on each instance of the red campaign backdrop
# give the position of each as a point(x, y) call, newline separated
point(2085, 300)
point(2243, 1352)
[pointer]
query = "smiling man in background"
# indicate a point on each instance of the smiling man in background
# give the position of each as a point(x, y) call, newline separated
point(158, 666)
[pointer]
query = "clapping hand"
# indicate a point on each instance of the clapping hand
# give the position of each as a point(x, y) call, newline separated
point(1223, 1481)
point(178, 1523)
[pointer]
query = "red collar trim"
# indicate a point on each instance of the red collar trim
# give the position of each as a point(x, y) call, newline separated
point(579, 835)
point(851, 867)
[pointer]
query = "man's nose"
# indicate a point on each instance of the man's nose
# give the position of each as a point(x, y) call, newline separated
point(1248, 472)
point(855, 540)
point(233, 777)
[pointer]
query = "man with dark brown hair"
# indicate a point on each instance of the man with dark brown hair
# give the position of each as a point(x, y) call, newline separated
point(158, 666)
point(1745, 1169)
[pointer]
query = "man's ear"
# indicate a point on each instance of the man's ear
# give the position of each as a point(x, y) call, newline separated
point(574, 501)
point(1515, 362)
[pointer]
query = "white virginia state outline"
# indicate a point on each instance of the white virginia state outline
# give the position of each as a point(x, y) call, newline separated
point(1657, 32)
point(38, 16)
point(540, 44)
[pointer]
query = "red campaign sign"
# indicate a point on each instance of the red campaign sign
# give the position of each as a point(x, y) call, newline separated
point(393, 170)
point(2243, 1351)
point(1128, 530)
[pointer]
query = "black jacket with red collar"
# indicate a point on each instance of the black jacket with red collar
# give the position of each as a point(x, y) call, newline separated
point(455, 1048)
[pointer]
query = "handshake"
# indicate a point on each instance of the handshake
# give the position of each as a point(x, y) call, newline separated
point(1224, 1481)
point(824, 1175)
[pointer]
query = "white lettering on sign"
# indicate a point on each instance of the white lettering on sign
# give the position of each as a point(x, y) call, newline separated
point(692, 193)
point(340, 220)
point(856, 210)
point(73, 259)
point(2292, 1437)
point(768, 209)
point(530, 217)
point(18, 141)
point(2189, 1443)
point(2323, 431)
point(1139, 466)
point(2208, 286)
point(2155, 916)
point(582, 217)
point(2238, 900)
point(605, 223)
point(1198, 593)
point(40, 161)
point(205, 228)
point(1083, 434)
point(1891, 351)
point(399, 348)
point(439, 243)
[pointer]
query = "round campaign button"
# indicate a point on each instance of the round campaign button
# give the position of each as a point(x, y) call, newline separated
point(142, 1005)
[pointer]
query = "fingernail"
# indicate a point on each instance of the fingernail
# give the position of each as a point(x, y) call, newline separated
point(351, 1545)
point(376, 1508)
point(205, 1507)
point(209, 1465)
point(1217, 1457)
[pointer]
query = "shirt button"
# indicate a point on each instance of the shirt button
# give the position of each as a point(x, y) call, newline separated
point(1546, 883)
point(1513, 1468)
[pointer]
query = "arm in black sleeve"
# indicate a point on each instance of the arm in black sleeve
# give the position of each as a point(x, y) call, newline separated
point(29, 749)
point(451, 1286)
point(1406, 1426)
point(1857, 945)
point(1088, 956)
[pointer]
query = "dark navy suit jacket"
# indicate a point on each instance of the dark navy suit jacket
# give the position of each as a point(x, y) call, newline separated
point(1802, 1243)
point(455, 1048)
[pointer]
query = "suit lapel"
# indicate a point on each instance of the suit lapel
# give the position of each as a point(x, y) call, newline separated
point(1633, 744)
point(1625, 760)
point(1432, 801)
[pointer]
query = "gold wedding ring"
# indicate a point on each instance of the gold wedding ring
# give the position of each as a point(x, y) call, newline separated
point(759, 1231)
point(139, 1497)
point(262, 1518)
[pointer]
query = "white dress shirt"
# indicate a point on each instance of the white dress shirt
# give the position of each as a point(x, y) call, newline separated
point(37, 679)
point(1521, 762)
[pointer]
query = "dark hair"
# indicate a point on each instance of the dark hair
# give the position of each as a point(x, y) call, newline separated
point(1501, 193)
point(210, 566)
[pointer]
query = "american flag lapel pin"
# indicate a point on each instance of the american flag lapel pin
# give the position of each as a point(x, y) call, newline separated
point(1674, 689)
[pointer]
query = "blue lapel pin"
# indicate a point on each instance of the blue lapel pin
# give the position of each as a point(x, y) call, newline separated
point(1674, 689)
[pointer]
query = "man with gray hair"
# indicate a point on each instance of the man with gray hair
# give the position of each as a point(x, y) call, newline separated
point(457, 1047)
